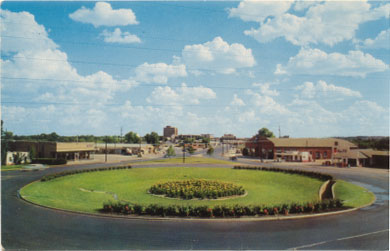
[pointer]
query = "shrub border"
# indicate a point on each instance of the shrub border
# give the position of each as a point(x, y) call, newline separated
point(316, 175)
point(66, 173)
point(220, 211)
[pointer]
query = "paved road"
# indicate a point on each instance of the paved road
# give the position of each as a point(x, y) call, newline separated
point(25, 226)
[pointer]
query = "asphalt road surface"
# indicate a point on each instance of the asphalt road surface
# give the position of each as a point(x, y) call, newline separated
point(25, 226)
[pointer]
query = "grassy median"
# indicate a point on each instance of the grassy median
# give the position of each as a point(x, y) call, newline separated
point(352, 195)
point(86, 192)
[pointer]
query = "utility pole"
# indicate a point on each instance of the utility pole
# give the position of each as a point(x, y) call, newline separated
point(279, 132)
point(106, 150)
point(184, 153)
point(222, 150)
point(121, 136)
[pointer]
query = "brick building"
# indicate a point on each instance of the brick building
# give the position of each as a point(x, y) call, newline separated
point(57, 150)
point(297, 149)
point(170, 132)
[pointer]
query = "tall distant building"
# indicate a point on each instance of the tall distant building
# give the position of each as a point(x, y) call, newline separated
point(170, 132)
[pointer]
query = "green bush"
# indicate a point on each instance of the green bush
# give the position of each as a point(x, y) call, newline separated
point(65, 173)
point(316, 175)
point(220, 211)
point(196, 188)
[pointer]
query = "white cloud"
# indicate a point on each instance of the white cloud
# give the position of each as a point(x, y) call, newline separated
point(317, 62)
point(266, 104)
point(381, 41)
point(117, 36)
point(301, 5)
point(250, 10)
point(322, 89)
point(265, 89)
point(51, 78)
point(181, 96)
point(159, 73)
point(12, 29)
point(218, 55)
point(103, 15)
point(237, 101)
point(328, 22)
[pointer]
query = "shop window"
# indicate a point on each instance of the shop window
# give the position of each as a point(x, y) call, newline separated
point(318, 155)
point(325, 154)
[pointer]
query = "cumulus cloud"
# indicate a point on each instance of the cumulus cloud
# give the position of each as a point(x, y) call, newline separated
point(218, 55)
point(182, 95)
point(237, 101)
point(322, 89)
point(159, 73)
point(12, 29)
point(317, 62)
point(382, 41)
point(103, 15)
point(250, 10)
point(328, 22)
point(117, 36)
point(47, 76)
point(266, 104)
point(265, 89)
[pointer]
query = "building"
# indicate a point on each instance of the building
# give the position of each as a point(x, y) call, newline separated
point(126, 149)
point(170, 132)
point(227, 137)
point(297, 149)
point(363, 157)
point(56, 150)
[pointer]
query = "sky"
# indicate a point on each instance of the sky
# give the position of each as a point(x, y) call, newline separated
point(312, 68)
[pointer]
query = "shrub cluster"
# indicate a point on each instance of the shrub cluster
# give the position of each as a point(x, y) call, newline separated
point(316, 175)
point(65, 173)
point(196, 188)
point(220, 211)
point(49, 161)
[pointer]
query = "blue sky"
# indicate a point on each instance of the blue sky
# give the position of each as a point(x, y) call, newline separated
point(316, 69)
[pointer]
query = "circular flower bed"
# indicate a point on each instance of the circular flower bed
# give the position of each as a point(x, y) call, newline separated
point(194, 188)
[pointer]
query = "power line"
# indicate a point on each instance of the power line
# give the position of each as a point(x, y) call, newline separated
point(155, 65)
point(162, 85)
point(158, 67)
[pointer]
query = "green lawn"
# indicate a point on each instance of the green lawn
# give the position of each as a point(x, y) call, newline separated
point(352, 195)
point(12, 167)
point(190, 160)
point(86, 192)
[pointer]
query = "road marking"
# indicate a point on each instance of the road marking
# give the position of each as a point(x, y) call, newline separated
point(361, 235)
point(340, 239)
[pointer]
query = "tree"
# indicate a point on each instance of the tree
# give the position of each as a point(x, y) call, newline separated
point(171, 151)
point(53, 136)
point(189, 140)
point(132, 138)
point(210, 151)
point(264, 132)
point(152, 138)
point(190, 150)
point(206, 140)
point(4, 145)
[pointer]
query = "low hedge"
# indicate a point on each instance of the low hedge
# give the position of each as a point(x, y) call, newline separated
point(316, 175)
point(220, 211)
point(66, 173)
point(49, 161)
